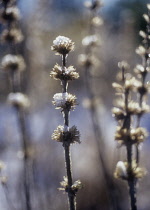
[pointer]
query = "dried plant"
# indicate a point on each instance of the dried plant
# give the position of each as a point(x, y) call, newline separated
point(66, 102)
point(90, 62)
point(13, 64)
point(131, 106)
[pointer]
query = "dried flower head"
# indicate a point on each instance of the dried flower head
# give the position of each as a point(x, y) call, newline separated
point(136, 135)
point(121, 170)
point(61, 73)
point(64, 101)
point(12, 36)
point(139, 134)
point(10, 14)
point(13, 62)
point(19, 99)
point(91, 40)
point(62, 45)
point(66, 137)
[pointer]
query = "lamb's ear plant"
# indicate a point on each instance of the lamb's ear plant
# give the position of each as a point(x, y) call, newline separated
point(13, 64)
point(66, 102)
point(129, 110)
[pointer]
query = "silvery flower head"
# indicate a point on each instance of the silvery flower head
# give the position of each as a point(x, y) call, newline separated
point(65, 101)
point(62, 45)
point(13, 62)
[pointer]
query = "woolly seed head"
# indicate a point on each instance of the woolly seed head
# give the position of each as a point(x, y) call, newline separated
point(18, 99)
point(12, 36)
point(64, 101)
point(66, 137)
point(13, 62)
point(62, 45)
point(68, 73)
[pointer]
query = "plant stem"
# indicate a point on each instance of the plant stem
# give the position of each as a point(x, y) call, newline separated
point(132, 192)
point(25, 146)
point(71, 194)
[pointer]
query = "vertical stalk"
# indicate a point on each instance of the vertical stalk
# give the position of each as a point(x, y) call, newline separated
point(25, 145)
point(71, 195)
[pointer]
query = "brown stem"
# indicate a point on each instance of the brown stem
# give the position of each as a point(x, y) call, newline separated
point(71, 194)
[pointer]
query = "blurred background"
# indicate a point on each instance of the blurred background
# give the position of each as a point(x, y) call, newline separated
point(42, 21)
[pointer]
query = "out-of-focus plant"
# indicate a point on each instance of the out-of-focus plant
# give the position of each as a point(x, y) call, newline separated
point(131, 106)
point(89, 60)
point(66, 102)
point(14, 65)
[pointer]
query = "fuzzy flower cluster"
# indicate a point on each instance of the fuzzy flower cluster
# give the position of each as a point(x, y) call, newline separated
point(13, 62)
point(66, 73)
point(65, 101)
point(121, 170)
point(128, 111)
point(62, 45)
point(66, 137)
